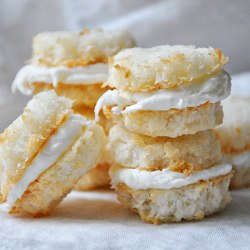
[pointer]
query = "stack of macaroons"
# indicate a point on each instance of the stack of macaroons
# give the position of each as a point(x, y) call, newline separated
point(75, 65)
point(234, 136)
point(166, 158)
point(44, 153)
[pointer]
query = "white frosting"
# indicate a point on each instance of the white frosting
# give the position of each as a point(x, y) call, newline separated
point(211, 90)
point(53, 149)
point(238, 160)
point(165, 179)
point(91, 74)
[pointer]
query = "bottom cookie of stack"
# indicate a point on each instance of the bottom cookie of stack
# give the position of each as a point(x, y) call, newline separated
point(167, 196)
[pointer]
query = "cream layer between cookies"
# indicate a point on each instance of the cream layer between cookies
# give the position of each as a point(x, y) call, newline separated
point(50, 153)
point(29, 74)
point(211, 90)
point(165, 179)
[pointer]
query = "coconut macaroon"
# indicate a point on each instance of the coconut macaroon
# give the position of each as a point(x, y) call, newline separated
point(44, 152)
point(185, 154)
point(166, 90)
point(167, 179)
point(168, 196)
point(75, 65)
point(166, 159)
point(234, 136)
point(72, 63)
point(97, 177)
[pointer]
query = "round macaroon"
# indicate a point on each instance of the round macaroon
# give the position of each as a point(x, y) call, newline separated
point(74, 64)
point(163, 67)
point(234, 136)
point(166, 90)
point(185, 154)
point(166, 196)
point(44, 152)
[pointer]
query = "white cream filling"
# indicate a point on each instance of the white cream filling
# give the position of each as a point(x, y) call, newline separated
point(91, 74)
point(238, 160)
point(54, 148)
point(165, 179)
point(211, 90)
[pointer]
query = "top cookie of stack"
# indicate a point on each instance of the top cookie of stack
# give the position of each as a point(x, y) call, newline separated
point(166, 90)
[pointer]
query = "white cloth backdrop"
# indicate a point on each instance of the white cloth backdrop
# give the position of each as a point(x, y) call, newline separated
point(94, 220)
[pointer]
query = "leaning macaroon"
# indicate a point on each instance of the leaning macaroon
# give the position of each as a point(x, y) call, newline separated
point(166, 90)
point(44, 152)
point(74, 64)
point(234, 136)
point(167, 196)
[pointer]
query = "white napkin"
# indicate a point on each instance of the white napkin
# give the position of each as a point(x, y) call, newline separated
point(95, 220)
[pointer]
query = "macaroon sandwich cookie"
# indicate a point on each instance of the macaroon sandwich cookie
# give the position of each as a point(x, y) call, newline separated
point(169, 179)
point(234, 136)
point(166, 90)
point(74, 64)
point(166, 158)
point(44, 152)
